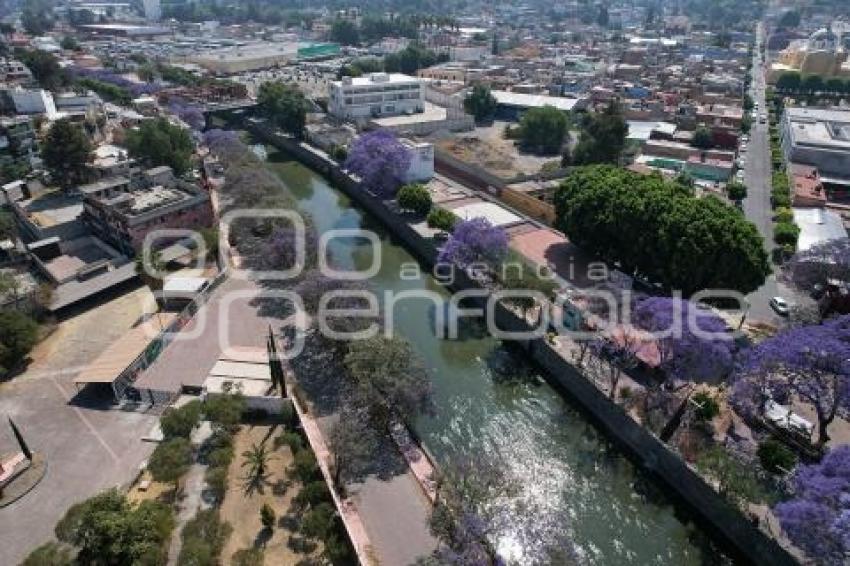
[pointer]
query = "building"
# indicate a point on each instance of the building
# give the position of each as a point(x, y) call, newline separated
point(511, 104)
point(32, 101)
point(421, 161)
point(376, 95)
point(122, 212)
point(18, 143)
point(13, 71)
point(244, 58)
point(153, 10)
point(819, 137)
point(820, 54)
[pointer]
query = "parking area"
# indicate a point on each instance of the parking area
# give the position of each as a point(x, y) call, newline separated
point(88, 444)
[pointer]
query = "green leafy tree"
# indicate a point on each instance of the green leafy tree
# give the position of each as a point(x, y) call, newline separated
point(180, 422)
point(285, 105)
point(414, 197)
point(789, 82)
point(789, 19)
point(158, 142)
point(225, 411)
point(8, 227)
point(659, 231)
point(170, 460)
point(66, 152)
point(480, 103)
point(318, 522)
point(44, 67)
point(775, 457)
point(389, 377)
point(834, 85)
point(37, 16)
point(786, 233)
point(736, 191)
point(107, 529)
point(70, 44)
point(812, 84)
point(702, 138)
point(544, 129)
point(18, 334)
point(344, 32)
point(603, 137)
point(203, 537)
point(736, 481)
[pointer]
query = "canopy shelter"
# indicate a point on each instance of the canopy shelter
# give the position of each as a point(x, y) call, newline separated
point(113, 368)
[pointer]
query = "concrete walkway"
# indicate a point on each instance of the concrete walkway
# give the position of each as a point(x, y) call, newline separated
point(192, 500)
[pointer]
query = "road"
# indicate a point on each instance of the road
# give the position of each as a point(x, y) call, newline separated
point(757, 178)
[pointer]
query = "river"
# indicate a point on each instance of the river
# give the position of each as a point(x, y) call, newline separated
point(574, 488)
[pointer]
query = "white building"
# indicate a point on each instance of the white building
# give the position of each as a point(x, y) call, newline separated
point(153, 10)
point(819, 137)
point(421, 161)
point(376, 95)
point(33, 102)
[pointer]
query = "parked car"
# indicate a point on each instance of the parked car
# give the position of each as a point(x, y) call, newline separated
point(780, 305)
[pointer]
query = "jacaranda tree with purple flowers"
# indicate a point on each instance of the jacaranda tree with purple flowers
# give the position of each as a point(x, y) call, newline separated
point(380, 160)
point(475, 241)
point(819, 264)
point(693, 343)
point(809, 362)
point(817, 519)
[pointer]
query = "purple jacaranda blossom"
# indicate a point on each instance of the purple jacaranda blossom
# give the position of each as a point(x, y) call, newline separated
point(380, 160)
point(816, 519)
point(110, 77)
point(188, 112)
point(474, 241)
point(693, 343)
point(812, 362)
point(818, 264)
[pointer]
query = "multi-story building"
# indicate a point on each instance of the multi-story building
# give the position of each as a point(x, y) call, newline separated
point(819, 137)
point(376, 95)
point(123, 212)
point(14, 72)
point(17, 141)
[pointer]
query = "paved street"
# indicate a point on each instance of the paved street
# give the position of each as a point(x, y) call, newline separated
point(757, 177)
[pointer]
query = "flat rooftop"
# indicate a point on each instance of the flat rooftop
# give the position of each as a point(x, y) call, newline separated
point(816, 226)
point(820, 127)
point(382, 79)
point(534, 100)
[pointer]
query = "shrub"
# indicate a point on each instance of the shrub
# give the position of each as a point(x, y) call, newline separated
point(291, 439)
point(248, 557)
point(784, 214)
point(312, 494)
point(707, 406)
point(414, 197)
point(775, 457)
point(338, 152)
point(267, 516)
point(203, 538)
point(786, 233)
point(441, 219)
point(318, 522)
point(304, 467)
point(49, 554)
point(216, 479)
point(18, 334)
point(179, 422)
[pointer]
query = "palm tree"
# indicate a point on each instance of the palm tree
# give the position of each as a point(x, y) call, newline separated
point(257, 462)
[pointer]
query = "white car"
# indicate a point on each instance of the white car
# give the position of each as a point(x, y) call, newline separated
point(740, 175)
point(745, 139)
point(780, 305)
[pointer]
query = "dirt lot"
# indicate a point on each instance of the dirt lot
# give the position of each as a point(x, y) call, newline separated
point(242, 509)
point(487, 148)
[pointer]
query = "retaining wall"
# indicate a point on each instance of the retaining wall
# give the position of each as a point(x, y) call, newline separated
point(727, 526)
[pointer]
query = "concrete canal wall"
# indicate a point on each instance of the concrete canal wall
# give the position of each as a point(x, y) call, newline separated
point(723, 522)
